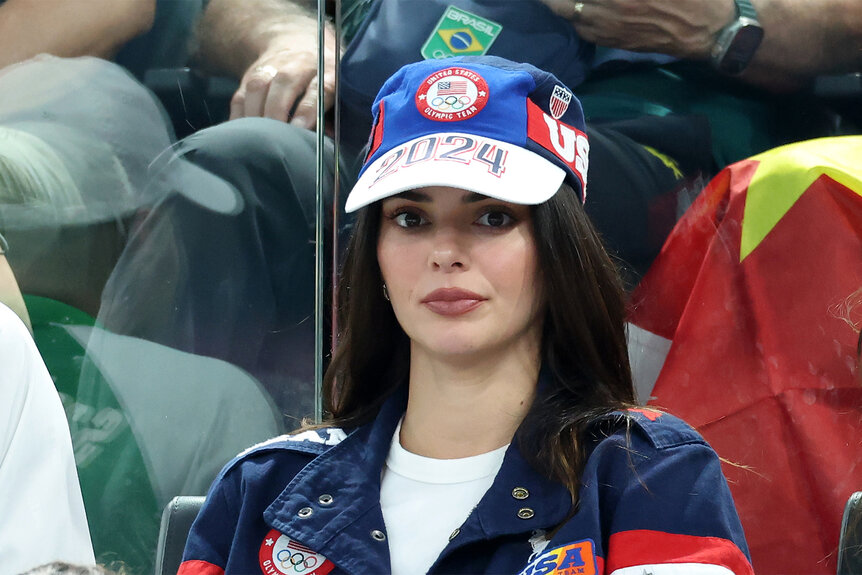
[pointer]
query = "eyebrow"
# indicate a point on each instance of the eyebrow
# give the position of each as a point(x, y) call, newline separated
point(473, 197)
point(415, 196)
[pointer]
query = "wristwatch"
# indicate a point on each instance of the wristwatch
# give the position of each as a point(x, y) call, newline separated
point(738, 41)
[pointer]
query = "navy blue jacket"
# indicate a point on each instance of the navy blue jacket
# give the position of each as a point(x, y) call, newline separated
point(653, 500)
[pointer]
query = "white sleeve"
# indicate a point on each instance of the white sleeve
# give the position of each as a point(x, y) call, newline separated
point(42, 516)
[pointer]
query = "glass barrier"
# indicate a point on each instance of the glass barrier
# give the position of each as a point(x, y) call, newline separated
point(169, 281)
point(178, 269)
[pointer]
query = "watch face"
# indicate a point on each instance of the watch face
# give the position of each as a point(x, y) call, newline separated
point(741, 49)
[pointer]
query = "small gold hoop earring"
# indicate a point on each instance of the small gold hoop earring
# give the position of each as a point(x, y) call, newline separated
point(385, 293)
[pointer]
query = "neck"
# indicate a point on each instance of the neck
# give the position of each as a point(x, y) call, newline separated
point(461, 407)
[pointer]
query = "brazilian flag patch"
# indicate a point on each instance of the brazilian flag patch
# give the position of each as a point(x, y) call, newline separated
point(460, 33)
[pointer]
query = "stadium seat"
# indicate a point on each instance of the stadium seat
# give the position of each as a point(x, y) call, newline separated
point(850, 542)
point(177, 519)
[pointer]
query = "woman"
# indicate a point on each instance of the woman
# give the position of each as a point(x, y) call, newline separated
point(480, 395)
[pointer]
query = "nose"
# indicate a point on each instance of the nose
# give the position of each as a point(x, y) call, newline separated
point(448, 252)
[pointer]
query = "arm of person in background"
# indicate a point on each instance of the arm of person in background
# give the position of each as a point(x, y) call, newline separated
point(70, 27)
point(271, 47)
point(802, 39)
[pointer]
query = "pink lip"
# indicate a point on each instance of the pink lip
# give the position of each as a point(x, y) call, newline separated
point(452, 301)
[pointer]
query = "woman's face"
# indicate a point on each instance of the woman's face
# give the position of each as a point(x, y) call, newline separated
point(461, 272)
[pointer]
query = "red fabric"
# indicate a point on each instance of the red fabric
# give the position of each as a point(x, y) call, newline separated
point(377, 133)
point(643, 547)
point(650, 414)
point(762, 364)
point(196, 567)
point(563, 138)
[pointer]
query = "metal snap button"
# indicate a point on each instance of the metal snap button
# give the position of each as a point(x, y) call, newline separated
point(454, 534)
point(378, 535)
point(325, 499)
point(525, 513)
point(305, 512)
point(520, 493)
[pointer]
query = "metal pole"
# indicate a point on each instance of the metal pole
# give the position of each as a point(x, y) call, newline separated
point(319, 252)
point(336, 158)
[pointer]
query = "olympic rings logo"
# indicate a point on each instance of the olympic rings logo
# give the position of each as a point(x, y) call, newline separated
point(451, 95)
point(444, 103)
point(296, 560)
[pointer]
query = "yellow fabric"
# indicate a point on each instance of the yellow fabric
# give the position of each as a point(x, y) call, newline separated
point(786, 172)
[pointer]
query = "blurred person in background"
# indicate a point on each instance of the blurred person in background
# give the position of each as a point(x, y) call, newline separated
point(78, 137)
point(43, 517)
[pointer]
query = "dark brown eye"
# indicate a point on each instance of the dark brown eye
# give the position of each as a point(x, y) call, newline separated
point(495, 219)
point(409, 219)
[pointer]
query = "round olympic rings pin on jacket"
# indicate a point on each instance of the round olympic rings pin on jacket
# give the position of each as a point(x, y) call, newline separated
point(653, 500)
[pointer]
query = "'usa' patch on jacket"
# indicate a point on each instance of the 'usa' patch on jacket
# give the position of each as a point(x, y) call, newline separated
point(571, 559)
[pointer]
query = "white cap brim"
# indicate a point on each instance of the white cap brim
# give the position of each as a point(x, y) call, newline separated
point(486, 166)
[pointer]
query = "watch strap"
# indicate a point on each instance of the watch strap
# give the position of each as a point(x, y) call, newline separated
point(746, 20)
point(745, 9)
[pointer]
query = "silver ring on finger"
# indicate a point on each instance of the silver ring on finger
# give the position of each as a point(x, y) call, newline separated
point(578, 10)
point(269, 71)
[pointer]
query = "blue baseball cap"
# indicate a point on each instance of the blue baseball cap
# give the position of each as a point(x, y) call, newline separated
point(484, 124)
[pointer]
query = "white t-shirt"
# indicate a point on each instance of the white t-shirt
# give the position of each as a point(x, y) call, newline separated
point(424, 500)
point(42, 516)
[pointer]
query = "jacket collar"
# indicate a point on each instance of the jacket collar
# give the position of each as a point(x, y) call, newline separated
point(350, 474)
point(519, 500)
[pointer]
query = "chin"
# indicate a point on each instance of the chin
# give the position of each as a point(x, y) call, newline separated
point(450, 344)
point(454, 347)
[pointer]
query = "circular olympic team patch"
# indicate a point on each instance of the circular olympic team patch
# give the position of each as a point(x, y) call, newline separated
point(281, 555)
point(451, 95)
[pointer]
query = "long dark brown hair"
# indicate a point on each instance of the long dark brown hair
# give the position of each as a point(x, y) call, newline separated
point(583, 345)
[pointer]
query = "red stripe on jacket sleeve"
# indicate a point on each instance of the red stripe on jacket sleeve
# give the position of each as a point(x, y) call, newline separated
point(643, 547)
point(196, 567)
